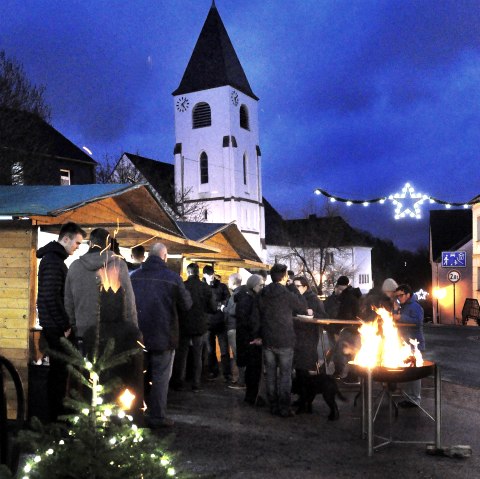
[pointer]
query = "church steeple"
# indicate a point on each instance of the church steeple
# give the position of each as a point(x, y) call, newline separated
point(214, 62)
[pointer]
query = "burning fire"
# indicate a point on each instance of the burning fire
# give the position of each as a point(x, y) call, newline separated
point(109, 273)
point(383, 347)
point(110, 277)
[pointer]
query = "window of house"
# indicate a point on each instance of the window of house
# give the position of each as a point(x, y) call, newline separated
point(329, 260)
point(363, 278)
point(244, 123)
point(203, 168)
point(244, 168)
point(17, 173)
point(478, 228)
point(65, 177)
point(201, 115)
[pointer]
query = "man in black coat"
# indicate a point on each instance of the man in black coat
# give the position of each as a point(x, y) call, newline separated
point(193, 327)
point(217, 327)
point(160, 296)
point(348, 309)
point(54, 320)
point(277, 306)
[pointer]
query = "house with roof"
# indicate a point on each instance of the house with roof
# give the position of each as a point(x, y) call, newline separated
point(33, 152)
point(322, 248)
point(451, 230)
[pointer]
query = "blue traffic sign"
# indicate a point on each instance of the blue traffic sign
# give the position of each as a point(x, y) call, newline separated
point(454, 259)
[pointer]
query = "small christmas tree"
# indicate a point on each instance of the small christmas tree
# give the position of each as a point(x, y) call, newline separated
point(101, 440)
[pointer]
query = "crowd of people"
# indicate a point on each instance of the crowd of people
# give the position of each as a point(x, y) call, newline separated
point(183, 325)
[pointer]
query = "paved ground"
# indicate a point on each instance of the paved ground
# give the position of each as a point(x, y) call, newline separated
point(457, 350)
point(218, 436)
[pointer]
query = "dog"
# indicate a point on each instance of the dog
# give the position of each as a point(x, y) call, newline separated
point(309, 385)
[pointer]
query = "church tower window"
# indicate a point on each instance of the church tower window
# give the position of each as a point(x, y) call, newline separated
point(244, 123)
point(201, 115)
point(244, 168)
point(203, 168)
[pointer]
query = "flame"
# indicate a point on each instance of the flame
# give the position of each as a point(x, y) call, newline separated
point(110, 276)
point(382, 346)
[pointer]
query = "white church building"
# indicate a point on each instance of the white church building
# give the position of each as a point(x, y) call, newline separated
point(218, 163)
point(217, 152)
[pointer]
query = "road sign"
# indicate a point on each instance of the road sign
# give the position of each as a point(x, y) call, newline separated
point(454, 259)
point(454, 276)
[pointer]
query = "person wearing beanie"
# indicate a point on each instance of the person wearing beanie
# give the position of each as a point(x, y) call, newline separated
point(343, 281)
point(249, 349)
point(254, 281)
point(389, 287)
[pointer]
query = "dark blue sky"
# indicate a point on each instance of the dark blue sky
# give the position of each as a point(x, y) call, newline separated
point(356, 97)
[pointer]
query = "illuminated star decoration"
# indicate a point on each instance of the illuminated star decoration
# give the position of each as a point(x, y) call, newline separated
point(407, 203)
point(403, 203)
point(421, 294)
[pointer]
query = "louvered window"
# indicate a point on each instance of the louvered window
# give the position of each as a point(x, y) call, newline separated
point(202, 115)
point(244, 168)
point(203, 168)
point(244, 123)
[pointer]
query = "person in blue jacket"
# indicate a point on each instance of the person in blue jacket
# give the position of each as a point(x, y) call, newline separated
point(408, 310)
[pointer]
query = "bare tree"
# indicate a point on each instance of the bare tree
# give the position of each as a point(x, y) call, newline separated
point(180, 204)
point(22, 109)
point(188, 210)
point(318, 246)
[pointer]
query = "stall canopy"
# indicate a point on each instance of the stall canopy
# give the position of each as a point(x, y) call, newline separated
point(233, 248)
point(132, 210)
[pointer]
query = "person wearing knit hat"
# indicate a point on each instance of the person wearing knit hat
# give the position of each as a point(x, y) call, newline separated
point(343, 281)
point(389, 287)
point(255, 281)
point(249, 349)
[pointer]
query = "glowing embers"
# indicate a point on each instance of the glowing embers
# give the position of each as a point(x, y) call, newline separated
point(383, 347)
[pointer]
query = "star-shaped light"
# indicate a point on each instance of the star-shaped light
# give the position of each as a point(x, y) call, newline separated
point(421, 294)
point(407, 203)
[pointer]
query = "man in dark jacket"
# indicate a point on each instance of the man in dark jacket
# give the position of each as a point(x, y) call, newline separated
point(51, 310)
point(347, 308)
point(249, 349)
point(159, 294)
point(277, 306)
point(217, 327)
point(193, 327)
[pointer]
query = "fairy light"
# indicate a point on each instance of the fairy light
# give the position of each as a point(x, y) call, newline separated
point(407, 202)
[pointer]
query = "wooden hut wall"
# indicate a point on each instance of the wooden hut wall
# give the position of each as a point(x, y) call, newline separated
point(17, 298)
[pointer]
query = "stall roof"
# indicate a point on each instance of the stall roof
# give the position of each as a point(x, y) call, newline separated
point(134, 209)
point(234, 247)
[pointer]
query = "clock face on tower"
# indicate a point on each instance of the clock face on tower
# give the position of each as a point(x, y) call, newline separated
point(234, 97)
point(182, 104)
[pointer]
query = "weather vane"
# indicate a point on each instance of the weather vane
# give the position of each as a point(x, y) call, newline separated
point(407, 203)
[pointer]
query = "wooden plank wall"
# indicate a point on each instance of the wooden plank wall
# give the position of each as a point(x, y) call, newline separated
point(17, 298)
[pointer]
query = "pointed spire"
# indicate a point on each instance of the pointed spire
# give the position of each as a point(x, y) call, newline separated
point(214, 62)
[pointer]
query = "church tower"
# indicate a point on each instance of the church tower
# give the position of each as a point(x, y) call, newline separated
point(217, 152)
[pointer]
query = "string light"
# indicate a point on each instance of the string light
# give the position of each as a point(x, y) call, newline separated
point(407, 203)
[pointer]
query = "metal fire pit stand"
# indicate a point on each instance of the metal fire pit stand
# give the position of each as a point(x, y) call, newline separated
point(368, 416)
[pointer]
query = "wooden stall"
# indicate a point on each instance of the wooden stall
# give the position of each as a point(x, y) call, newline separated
point(132, 211)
